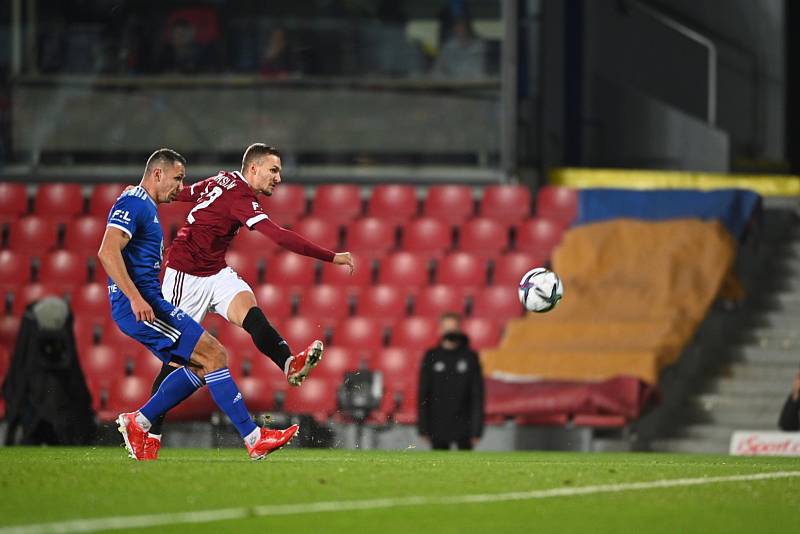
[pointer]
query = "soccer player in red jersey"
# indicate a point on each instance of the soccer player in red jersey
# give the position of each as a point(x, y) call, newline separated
point(198, 280)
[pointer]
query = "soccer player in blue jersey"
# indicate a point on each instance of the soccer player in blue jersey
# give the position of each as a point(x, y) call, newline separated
point(131, 254)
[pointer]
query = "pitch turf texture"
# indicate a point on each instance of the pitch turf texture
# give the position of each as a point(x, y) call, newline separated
point(99, 489)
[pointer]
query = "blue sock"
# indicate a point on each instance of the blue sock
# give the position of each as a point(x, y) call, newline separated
point(174, 389)
point(227, 396)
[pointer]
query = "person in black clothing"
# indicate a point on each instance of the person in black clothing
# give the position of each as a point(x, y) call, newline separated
point(790, 415)
point(451, 390)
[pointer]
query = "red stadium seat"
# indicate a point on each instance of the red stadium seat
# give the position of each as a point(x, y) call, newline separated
point(320, 231)
point(112, 336)
point(405, 270)
point(253, 242)
point(213, 323)
point(370, 237)
point(426, 236)
point(84, 235)
point(451, 204)
point(338, 204)
point(91, 300)
point(327, 305)
point(335, 363)
point(398, 364)
point(197, 407)
point(509, 268)
point(539, 236)
point(64, 269)
point(173, 215)
point(557, 203)
point(337, 275)
point(400, 369)
point(245, 265)
point(100, 275)
point(31, 292)
point(361, 334)
point(300, 332)
point(143, 363)
point(393, 203)
point(126, 394)
point(435, 300)
point(103, 364)
point(416, 333)
point(274, 301)
point(103, 197)
point(15, 270)
point(483, 333)
point(506, 203)
point(462, 269)
point(238, 343)
point(254, 363)
point(87, 328)
point(499, 302)
point(13, 202)
point(286, 205)
point(9, 326)
point(256, 392)
point(385, 304)
point(483, 237)
point(33, 235)
point(288, 269)
point(58, 202)
point(5, 361)
point(317, 398)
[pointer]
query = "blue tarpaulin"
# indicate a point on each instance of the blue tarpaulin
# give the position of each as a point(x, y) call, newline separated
point(732, 207)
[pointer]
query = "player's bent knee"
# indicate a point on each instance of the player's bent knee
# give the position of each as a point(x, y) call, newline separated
point(209, 354)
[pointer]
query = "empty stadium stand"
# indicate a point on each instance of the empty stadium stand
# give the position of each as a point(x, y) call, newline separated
point(419, 253)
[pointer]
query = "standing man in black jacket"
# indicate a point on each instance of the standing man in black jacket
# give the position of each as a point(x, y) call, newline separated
point(451, 390)
point(790, 415)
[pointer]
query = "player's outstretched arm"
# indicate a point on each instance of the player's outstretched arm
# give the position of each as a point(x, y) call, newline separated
point(110, 256)
point(294, 241)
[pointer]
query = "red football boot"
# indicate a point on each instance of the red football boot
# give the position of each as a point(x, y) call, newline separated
point(133, 434)
point(300, 365)
point(151, 446)
point(270, 441)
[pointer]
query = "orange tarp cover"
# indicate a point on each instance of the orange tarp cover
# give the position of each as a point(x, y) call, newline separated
point(634, 294)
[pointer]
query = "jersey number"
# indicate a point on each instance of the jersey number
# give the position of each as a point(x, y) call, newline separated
point(211, 196)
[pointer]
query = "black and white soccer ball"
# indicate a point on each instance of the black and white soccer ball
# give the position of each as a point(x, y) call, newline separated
point(540, 290)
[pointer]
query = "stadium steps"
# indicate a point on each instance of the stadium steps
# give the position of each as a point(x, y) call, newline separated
point(754, 358)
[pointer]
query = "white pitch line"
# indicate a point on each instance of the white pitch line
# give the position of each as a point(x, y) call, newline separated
point(226, 514)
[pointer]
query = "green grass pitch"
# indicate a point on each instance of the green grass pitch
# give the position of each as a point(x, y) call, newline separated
point(45, 485)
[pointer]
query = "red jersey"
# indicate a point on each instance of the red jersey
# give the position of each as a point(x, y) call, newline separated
point(223, 204)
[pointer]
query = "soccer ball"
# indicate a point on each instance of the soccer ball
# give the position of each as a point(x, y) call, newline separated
point(540, 290)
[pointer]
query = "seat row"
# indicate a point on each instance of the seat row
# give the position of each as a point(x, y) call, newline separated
point(368, 236)
point(118, 381)
point(337, 203)
point(63, 273)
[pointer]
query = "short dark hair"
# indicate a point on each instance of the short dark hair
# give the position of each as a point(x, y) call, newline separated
point(258, 150)
point(163, 155)
point(450, 315)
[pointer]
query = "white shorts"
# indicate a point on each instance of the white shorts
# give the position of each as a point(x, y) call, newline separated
point(198, 295)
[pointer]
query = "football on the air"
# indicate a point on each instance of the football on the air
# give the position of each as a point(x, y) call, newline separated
point(540, 290)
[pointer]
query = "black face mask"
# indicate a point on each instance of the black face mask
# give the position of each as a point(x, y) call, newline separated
point(455, 337)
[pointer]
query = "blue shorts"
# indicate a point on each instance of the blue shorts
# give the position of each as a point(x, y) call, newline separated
point(172, 336)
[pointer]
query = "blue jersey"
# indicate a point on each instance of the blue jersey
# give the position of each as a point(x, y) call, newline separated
point(135, 213)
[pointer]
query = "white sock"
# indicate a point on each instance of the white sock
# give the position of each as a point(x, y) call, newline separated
point(154, 436)
point(251, 438)
point(142, 421)
point(286, 366)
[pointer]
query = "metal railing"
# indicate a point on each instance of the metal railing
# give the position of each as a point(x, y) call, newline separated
point(697, 37)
